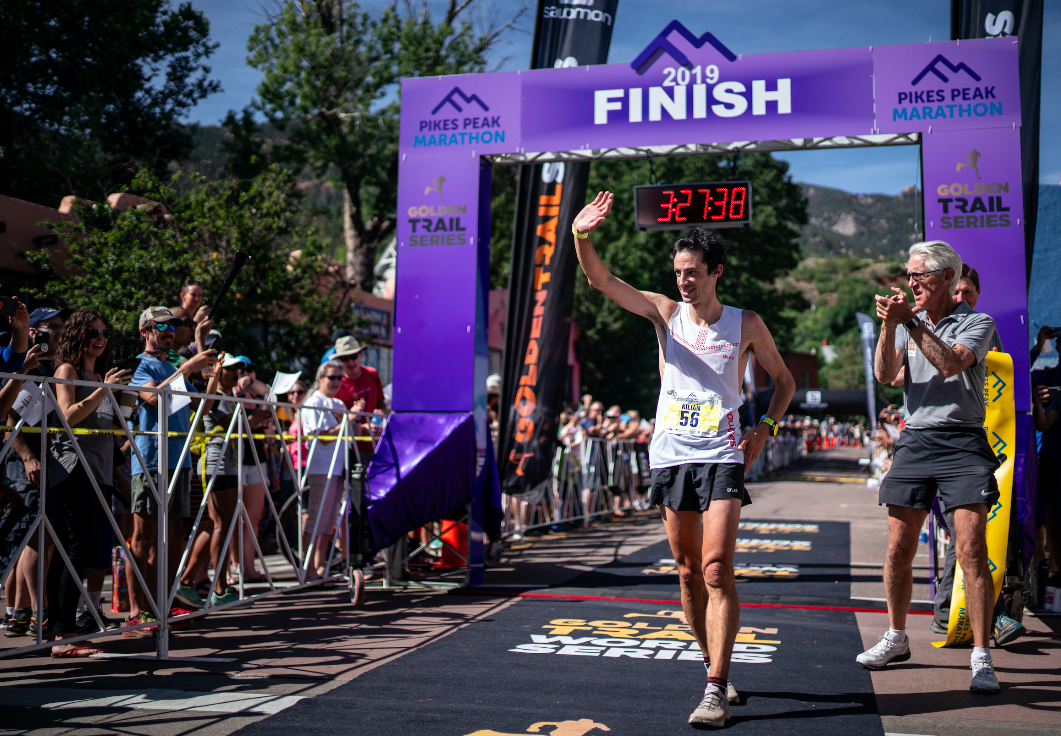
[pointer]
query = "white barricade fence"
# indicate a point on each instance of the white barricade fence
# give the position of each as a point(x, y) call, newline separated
point(238, 441)
point(596, 477)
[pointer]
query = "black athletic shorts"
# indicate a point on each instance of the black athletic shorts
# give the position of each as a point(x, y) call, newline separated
point(692, 487)
point(958, 464)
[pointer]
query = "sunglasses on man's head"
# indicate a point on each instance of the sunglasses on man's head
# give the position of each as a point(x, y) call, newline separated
point(106, 332)
point(165, 327)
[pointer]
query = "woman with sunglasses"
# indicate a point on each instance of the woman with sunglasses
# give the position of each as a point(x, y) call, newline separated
point(72, 505)
point(322, 412)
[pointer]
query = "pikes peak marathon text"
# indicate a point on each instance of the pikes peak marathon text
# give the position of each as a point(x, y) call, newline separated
point(459, 132)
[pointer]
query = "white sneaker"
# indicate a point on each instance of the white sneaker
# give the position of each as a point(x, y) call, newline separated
point(713, 709)
point(731, 693)
point(884, 652)
point(984, 679)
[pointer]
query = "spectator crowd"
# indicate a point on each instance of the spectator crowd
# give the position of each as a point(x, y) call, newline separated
point(90, 464)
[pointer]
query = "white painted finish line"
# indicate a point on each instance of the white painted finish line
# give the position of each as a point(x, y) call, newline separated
point(154, 699)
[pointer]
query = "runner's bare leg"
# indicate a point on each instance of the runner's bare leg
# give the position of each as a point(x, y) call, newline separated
point(685, 533)
point(721, 521)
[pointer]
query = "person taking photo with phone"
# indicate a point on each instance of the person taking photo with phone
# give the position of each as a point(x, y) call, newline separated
point(158, 327)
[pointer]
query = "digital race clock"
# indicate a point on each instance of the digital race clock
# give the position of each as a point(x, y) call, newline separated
point(706, 204)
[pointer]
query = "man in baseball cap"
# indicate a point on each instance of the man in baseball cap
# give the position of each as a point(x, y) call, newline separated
point(158, 327)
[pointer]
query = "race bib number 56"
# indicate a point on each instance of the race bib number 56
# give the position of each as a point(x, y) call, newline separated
point(692, 412)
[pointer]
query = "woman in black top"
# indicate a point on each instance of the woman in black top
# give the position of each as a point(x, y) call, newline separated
point(72, 506)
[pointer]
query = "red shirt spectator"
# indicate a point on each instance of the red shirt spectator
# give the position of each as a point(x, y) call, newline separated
point(359, 381)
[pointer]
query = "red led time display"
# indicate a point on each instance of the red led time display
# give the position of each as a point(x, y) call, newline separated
point(704, 204)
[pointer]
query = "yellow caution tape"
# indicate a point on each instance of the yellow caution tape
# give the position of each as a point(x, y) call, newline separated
point(1001, 426)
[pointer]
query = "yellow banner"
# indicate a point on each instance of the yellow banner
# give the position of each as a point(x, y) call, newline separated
point(1001, 433)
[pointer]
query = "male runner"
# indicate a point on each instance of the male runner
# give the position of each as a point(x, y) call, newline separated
point(698, 455)
point(944, 449)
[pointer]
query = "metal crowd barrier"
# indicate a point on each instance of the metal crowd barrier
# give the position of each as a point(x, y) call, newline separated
point(778, 453)
point(160, 596)
point(589, 479)
point(598, 477)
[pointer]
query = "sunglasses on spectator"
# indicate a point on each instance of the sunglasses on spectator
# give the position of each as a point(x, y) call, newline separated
point(165, 327)
point(919, 277)
point(349, 358)
point(186, 322)
point(332, 378)
point(93, 333)
point(245, 370)
point(295, 393)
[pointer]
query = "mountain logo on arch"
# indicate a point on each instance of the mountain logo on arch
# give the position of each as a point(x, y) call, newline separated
point(933, 68)
point(456, 92)
point(660, 45)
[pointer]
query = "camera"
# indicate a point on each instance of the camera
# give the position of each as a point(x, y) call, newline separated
point(213, 341)
point(8, 306)
point(41, 339)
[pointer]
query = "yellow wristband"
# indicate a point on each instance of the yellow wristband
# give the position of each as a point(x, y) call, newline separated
point(580, 236)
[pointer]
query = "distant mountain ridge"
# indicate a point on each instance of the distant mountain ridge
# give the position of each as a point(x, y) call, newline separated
point(863, 225)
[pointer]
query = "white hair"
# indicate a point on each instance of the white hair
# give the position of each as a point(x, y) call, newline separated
point(939, 256)
point(336, 365)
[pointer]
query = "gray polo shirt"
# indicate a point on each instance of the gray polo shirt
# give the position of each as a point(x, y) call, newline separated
point(935, 402)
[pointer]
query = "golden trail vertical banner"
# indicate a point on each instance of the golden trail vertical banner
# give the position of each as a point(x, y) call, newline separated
point(1001, 433)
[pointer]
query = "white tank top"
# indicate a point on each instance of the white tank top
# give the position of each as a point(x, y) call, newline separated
point(696, 417)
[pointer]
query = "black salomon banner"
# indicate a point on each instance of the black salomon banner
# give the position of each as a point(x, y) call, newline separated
point(1023, 19)
point(542, 280)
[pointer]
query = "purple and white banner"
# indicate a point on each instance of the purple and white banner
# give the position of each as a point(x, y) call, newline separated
point(947, 86)
point(684, 89)
point(974, 201)
point(687, 89)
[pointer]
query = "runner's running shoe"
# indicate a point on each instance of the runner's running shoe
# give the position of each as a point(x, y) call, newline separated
point(188, 598)
point(984, 680)
point(884, 652)
point(731, 694)
point(1007, 630)
point(713, 709)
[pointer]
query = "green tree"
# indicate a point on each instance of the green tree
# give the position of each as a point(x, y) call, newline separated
point(330, 72)
point(94, 90)
point(282, 307)
point(621, 363)
point(837, 288)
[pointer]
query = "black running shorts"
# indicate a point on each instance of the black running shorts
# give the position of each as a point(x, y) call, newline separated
point(692, 487)
point(958, 464)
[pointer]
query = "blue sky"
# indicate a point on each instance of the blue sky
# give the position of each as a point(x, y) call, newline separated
point(754, 26)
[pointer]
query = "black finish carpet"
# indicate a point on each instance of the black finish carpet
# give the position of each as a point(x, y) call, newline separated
point(776, 562)
point(571, 668)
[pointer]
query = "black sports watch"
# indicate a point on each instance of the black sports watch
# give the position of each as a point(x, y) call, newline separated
point(912, 324)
